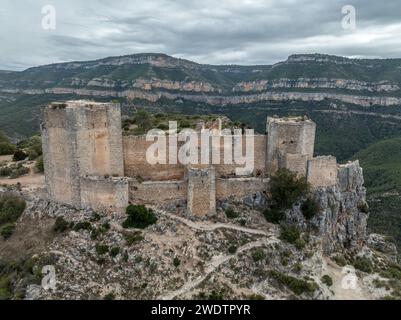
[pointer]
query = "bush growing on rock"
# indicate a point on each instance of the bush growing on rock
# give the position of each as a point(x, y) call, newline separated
point(286, 188)
point(133, 238)
point(19, 155)
point(327, 280)
point(101, 249)
point(363, 264)
point(39, 166)
point(7, 230)
point(11, 208)
point(139, 217)
point(232, 249)
point(363, 207)
point(258, 255)
point(6, 148)
point(290, 233)
point(274, 215)
point(176, 262)
point(61, 225)
point(230, 213)
point(310, 208)
point(82, 225)
point(114, 251)
point(298, 286)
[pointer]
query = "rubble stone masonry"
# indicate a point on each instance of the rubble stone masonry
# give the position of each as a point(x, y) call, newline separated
point(89, 163)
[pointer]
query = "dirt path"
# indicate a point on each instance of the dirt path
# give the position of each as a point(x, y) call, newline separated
point(30, 180)
point(207, 226)
point(211, 267)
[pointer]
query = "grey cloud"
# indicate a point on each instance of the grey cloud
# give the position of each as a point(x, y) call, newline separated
point(215, 32)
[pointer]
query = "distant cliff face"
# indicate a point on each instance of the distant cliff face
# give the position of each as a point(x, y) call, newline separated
point(152, 76)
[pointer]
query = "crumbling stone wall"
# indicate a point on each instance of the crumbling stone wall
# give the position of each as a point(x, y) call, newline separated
point(238, 187)
point(105, 194)
point(136, 165)
point(157, 192)
point(290, 143)
point(201, 191)
point(89, 163)
point(322, 171)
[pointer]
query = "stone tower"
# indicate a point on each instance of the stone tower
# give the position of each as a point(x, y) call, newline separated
point(82, 147)
point(201, 197)
point(290, 144)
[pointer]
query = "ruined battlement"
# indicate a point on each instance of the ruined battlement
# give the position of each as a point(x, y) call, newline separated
point(89, 163)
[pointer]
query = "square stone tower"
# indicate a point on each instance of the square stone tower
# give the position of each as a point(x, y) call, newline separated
point(201, 195)
point(81, 139)
point(290, 143)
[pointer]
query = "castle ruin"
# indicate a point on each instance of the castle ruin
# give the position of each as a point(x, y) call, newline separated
point(90, 163)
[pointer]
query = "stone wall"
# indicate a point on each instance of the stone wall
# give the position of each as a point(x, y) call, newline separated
point(288, 136)
point(157, 192)
point(105, 194)
point(201, 191)
point(59, 154)
point(80, 139)
point(322, 171)
point(136, 164)
point(89, 163)
point(238, 188)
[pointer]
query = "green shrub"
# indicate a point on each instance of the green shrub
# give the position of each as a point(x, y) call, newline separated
point(109, 296)
point(298, 286)
point(216, 295)
point(258, 254)
point(310, 208)
point(6, 148)
point(11, 208)
point(232, 249)
point(290, 233)
point(5, 171)
point(32, 145)
point(39, 166)
point(139, 217)
point(256, 297)
point(82, 225)
point(340, 260)
point(363, 264)
point(133, 238)
point(393, 271)
point(274, 215)
point(363, 207)
point(230, 213)
point(32, 154)
point(18, 171)
point(286, 188)
point(19, 155)
point(176, 262)
point(6, 290)
point(114, 251)
point(7, 230)
point(101, 249)
point(327, 280)
point(61, 225)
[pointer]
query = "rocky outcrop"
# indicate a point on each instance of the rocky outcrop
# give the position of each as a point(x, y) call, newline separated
point(342, 220)
point(152, 95)
point(316, 83)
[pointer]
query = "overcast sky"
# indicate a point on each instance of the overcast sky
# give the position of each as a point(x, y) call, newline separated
point(205, 31)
